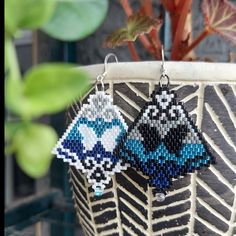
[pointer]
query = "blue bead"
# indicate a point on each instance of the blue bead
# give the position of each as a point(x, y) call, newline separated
point(98, 192)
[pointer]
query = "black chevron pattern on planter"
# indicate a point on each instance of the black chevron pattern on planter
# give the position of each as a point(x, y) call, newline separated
point(201, 204)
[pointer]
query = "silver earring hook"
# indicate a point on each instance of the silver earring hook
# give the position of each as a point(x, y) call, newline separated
point(101, 77)
point(163, 71)
point(108, 56)
point(164, 76)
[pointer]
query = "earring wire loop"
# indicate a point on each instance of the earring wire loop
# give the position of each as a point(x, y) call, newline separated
point(164, 76)
point(101, 77)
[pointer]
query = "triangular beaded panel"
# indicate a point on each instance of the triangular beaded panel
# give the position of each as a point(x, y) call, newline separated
point(163, 142)
point(89, 141)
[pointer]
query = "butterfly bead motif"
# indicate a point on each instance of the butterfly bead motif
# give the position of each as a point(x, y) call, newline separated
point(90, 140)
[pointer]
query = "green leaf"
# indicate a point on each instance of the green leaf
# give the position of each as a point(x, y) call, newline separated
point(220, 18)
point(137, 24)
point(10, 60)
point(6, 64)
point(76, 19)
point(10, 129)
point(46, 89)
point(51, 87)
point(33, 145)
point(14, 99)
point(26, 14)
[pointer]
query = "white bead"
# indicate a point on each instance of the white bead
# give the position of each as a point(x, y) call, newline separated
point(160, 197)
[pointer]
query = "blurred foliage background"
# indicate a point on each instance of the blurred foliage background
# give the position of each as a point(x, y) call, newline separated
point(46, 88)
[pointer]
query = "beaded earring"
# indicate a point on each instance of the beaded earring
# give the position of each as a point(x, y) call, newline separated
point(89, 141)
point(163, 142)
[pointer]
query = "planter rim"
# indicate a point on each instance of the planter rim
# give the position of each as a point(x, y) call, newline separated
point(179, 72)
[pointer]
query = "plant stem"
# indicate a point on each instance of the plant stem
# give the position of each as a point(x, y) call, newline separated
point(173, 8)
point(177, 2)
point(12, 62)
point(148, 8)
point(128, 10)
point(180, 30)
point(153, 35)
point(157, 47)
point(199, 38)
point(133, 51)
point(8, 149)
point(168, 5)
point(146, 43)
point(144, 40)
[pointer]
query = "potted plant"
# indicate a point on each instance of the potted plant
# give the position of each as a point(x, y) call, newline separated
point(202, 203)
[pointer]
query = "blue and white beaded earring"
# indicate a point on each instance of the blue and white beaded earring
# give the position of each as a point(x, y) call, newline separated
point(163, 142)
point(89, 141)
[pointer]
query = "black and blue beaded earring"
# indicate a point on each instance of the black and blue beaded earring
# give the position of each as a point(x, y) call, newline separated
point(163, 142)
point(89, 141)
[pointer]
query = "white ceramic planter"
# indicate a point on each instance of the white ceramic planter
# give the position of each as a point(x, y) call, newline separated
point(203, 203)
